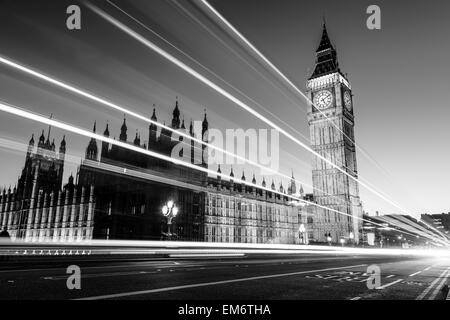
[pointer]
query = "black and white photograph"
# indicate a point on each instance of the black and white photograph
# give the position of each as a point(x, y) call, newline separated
point(223, 156)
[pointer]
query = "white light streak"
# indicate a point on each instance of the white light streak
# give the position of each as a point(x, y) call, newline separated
point(70, 128)
point(285, 78)
point(229, 96)
point(192, 247)
point(114, 106)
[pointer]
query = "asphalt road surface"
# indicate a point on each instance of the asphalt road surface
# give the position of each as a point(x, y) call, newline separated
point(259, 276)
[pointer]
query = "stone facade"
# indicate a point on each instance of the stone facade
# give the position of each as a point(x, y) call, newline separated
point(331, 122)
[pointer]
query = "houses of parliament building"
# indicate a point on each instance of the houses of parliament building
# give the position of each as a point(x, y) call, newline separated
point(118, 193)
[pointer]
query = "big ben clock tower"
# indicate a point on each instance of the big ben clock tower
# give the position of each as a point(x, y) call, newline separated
point(331, 123)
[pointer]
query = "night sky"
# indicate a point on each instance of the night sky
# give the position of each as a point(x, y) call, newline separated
point(399, 76)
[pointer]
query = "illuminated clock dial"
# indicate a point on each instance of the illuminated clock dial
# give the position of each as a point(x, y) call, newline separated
point(348, 100)
point(323, 99)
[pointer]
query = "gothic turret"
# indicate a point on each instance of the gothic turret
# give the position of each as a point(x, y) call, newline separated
point(47, 143)
point(106, 132)
point(62, 145)
point(123, 131)
point(105, 145)
point(137, 139)
point(154, 114)
point(152, 131)
point(30, 145)
point(205, 139)
point(176, 116)
point(41, 142)
point(91, 150)
point(62, 148)
point(292, 188)
point(204, 127)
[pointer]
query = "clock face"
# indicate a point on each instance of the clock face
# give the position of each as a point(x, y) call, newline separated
point(323, 99)
point(348, 100)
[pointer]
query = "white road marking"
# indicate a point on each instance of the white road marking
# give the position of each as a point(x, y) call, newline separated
point(389, 284)
point(425, 292)
point(139, 264)
point(426, 269)
point(355, 298)
point(439, 286)
point(159, 263)
point(204, 284)
point(330, 277)
point(415, 273)
point(392, 275)
point(101, 275)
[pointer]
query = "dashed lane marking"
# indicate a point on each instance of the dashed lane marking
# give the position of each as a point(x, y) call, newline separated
point(204, 284)
point(389, 284)
point(439, 286)
point(428, 289)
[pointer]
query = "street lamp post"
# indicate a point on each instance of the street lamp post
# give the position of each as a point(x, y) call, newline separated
point(170, 211)
point(329, 239)
point(302, 230)
point(351, 236)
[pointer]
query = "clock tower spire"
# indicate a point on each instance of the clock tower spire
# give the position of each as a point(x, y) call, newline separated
point(331, 123)
point(326, 56)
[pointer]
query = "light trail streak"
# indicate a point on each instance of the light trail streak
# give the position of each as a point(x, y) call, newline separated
point(35, 117)
point(418, 221)
point(115, 106)
point(70, 128)
point(142, 174)
point(190, 15)
point(404, 224)
point(434, 229)
point(230, 97)
point(192, 247)
point(284, 77)
point(233, 87)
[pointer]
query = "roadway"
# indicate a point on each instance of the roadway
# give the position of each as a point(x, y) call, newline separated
point(251, 276)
